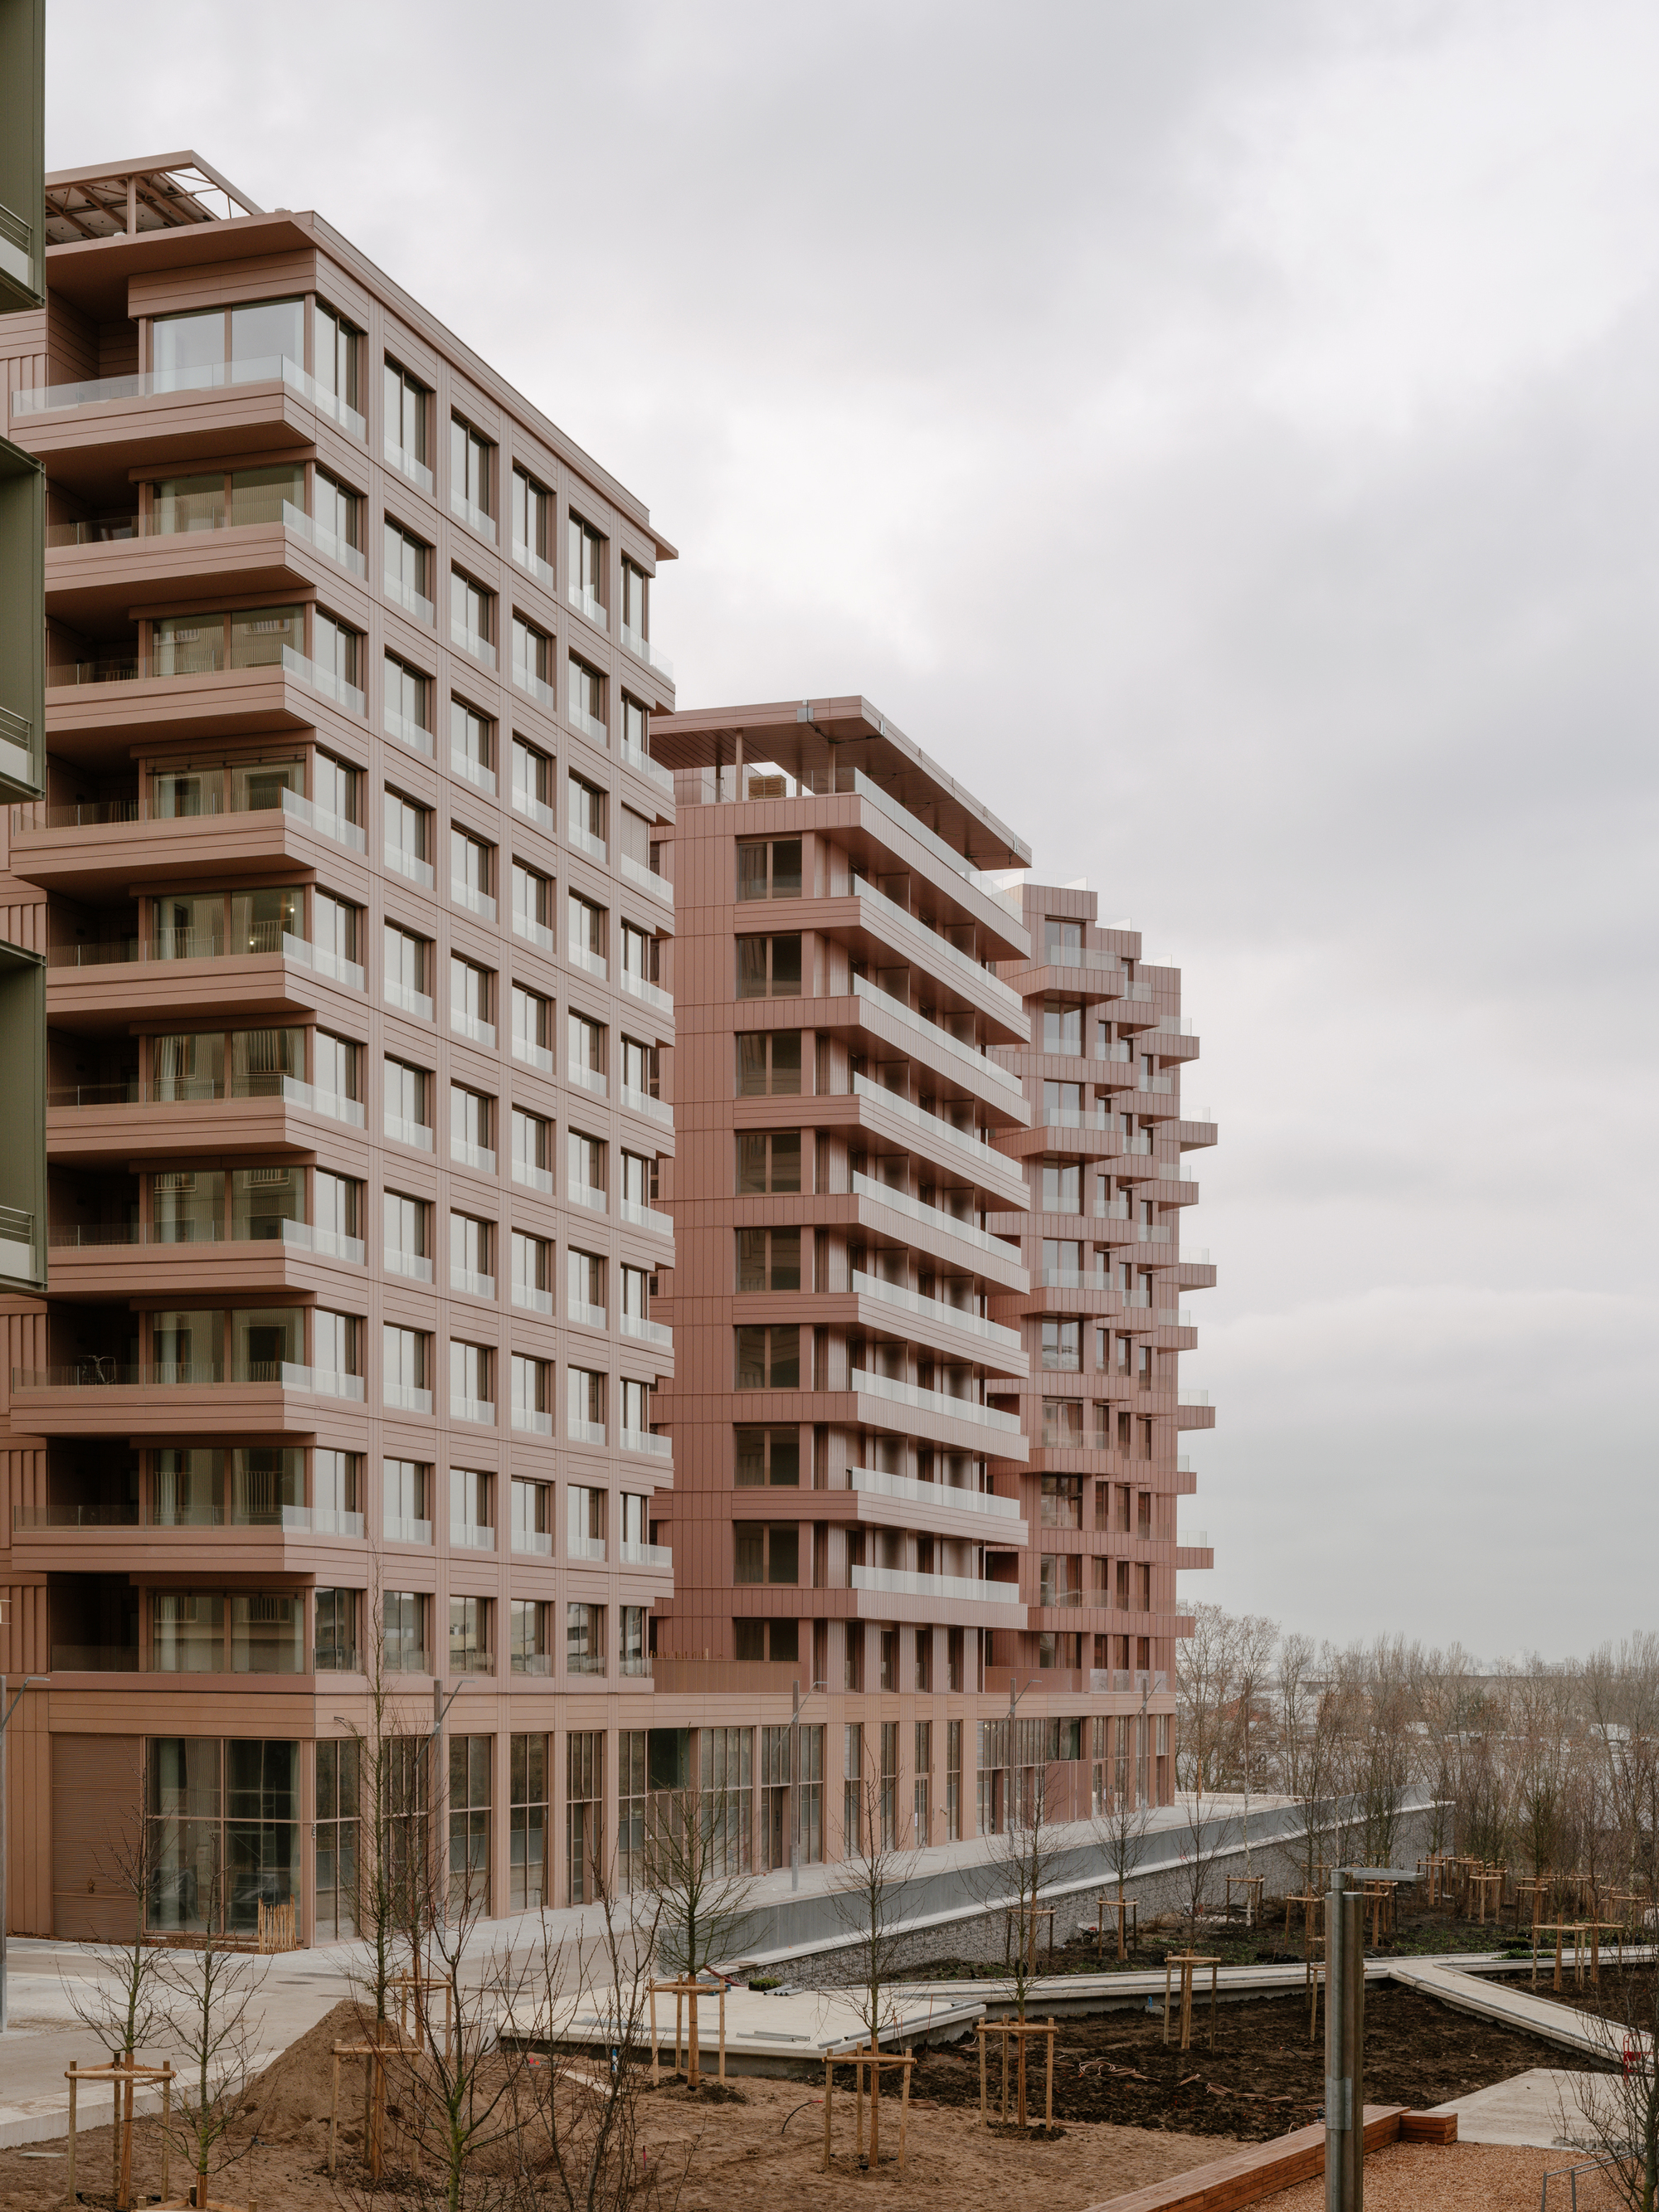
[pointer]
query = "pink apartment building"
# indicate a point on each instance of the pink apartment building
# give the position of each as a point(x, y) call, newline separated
point(603, 1210)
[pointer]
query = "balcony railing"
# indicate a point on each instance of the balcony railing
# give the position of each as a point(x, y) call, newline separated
point(535, 810)
point(642, 1102)
point(469, 1536)
point(417, 1267)
point(585, 602)
point(580, 1432)
point(935, 1401)
point(474, 900)
point(588, 1548)
point(585, 841)
point(587, 1079)
point(642, 649)
point(94, 1659)
point(298, 1235)
point(474, 772)
point(936, 1310)
point(591, 963)
point(403, 1131)
point(409, 866)
point(474, 1285)
point(532, 1176)
point(642, 765)
point(533, 1055)
point(411, 601)
point(259, 940)
point(639, 1216)
point(468, 1025)
point(940, 1496)
point(972, 1150)
point(647, 1332)
point(537, 1543)
point(402, 1529)
point(903, 1582)
point(590, 725)
point(646, 878)
point(214, 376)
point(535, 687)
point(532, 1420)
point(30, 814)
point(408, 1398)
point(934, 1218)
point(472, 515)
point(406, 464)
point(532, 1662)
point(645, 1555)
point(646, 1440)
point(531, 1299)
point(481, 1410)
point(202, 660)
point(951, 956)
point(336, 1659)
point(1187, 1396)
point(966, 1054)
point(98, 1372)
point(533, 565)
point(406, 998)
point(473, 641)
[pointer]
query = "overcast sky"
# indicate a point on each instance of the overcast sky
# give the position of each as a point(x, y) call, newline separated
point(1224, 435)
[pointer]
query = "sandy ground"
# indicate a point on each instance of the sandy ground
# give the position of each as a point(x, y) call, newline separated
point(1459, 2178)
point(735, 2158)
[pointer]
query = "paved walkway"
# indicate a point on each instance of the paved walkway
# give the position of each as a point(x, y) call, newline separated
point(1542, 2106)
point(1586, 2033)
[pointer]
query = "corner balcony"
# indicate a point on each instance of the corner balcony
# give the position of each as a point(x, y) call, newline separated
point(180, 416)
point(185, 973)
point(93, 1124)
point(115, 1262)
point(92, 704)
point(103, 1398)
point(257, 544)
point(287, 1539)
point(86, 852)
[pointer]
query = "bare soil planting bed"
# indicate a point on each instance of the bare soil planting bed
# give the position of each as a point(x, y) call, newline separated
point(1263, 2078)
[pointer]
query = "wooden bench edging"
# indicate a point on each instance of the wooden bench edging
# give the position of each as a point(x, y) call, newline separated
point(1246, 2176)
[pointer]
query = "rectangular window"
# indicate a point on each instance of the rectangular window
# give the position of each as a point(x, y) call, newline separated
point(727, 1798)
point(337, 1804)
point(224, 1832)
point(635, 603)
point(769, 868)
point(1062, 1027)
point(406, 1356)
point(408, 1236)
point(532, 1523)
point(408, 704)
point(584, 1639)
point(472, 745)
point(407, 572)
point(585, 1064)
point(768, 1359)
point(407, 980)
point(532, 1260)
point(402, 1613)
point(472, 1381)
point(472, 1000)
point(586, 818)
point(587, 708)
point(472, 1129)
point(632, 1796)
point(336, 359)
point(1062, 1346)
point(586, 1390)
point(1062, 1423)
point(768, 1260)
point(953, 1781)
point(586, 573)
point(407, 830)
point(533, 1150)
point(766, 1552)
point(1061, 1186)
point(407, 404)
point(531, 1384)
point(469, 1815)
point(471, 1256)
point(768, 1160)
point(473, 617)
point(526, 1822)
point(469, 1636)
point(585, 1288)
point(406, 1494)
point(584, 1789)
point(471, 495)
point(769, 967)
point(769, 1064)
point(532, 785)
point(766, 1458)
point(532, 514)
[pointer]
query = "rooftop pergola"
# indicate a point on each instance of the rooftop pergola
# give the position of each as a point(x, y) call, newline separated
point(162, 192)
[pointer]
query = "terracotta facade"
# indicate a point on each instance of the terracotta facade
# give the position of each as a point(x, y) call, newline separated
point(546, 1192)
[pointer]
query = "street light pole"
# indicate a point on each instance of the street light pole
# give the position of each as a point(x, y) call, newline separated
point(30, 1682)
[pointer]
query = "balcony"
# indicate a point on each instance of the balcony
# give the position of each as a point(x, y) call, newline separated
point(941, 1314)
point(535, 810)
point(1005, 1522)
point(407, 1398)
point(589, 1549)
point(902, 1581)
point(585, 841)
point(588, 1195)
point(474, 1286)
point(182, 386)
point(407, 999)
point(591, 963)
point(102, 1397)
point(408, 732)
point(474, 772)
point(533, 1543)
point(940, 1141)
point(587, 1079)
point(941, 1404)
point(532, 1299)
point(966, 1057)
point(532, 1662)
point(531, 1053)
point(588, 726)
point(240, 1252)
point(481, 1410)
point(472, 1027)
point(414, 1267)
point(938, 1223)
point(402, 1131)
point(535, 933)
point(79, 850)
point(402, 1529)
point(260, 941)
point(470, 1536)
point(648, 993)
point(532, 1176)
point(895, 923)
point(580, 1432)
point(93, 680)
point(535, 687)
point(532, 1420)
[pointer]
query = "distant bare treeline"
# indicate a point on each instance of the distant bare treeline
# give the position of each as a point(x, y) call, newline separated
point(1551, 1767)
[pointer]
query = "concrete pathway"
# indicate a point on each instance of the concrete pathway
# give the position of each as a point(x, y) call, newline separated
point(1542, 2106)
point(1586, 2033)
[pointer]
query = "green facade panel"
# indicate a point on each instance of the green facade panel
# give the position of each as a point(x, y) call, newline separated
point(22, 154)
point(22, 1120)
point(22, 624)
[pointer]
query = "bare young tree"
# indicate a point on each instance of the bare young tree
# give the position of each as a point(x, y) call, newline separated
point(866, 1903)
point(1307, 1743)
point(1120, 1822)
point(577, 2136)
point(1256, 1641)
point(1616, 2111)
point(1020, 1866)
point(701, 1906)
point(121, 2004)
point(1202, 1838)
point(208, 2008)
